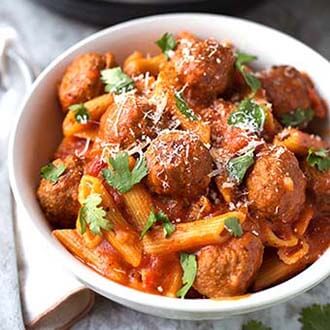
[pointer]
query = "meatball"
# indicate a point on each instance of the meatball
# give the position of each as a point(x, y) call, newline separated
point(204, 66)
point(228, 269)
point(131, 118)
point(59, 200)
point(286, 88)
point(319, 184)
point(179, 165)
point(81, 81)
point(276, 186)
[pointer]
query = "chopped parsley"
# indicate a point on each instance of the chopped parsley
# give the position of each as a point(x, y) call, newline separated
point(183, 107)
point(189, 266)
point(116, 81)
point(120, 176)
point(241, 60)
point(255, 325)
point(168, 227)
point(315, 317)
point(81, 113)
point(297, 118)
point(234, 227)
point(51, 172)
point(93, 215)
point(248, 115)
point(166, 43)
point(238, 166)
point(319, 159)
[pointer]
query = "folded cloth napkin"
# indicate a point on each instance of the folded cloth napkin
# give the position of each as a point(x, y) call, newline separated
point(51, 297)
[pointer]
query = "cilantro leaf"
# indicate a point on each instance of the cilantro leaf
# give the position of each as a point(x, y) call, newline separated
point(233, 226)
point(120, 176)
point(238, 166)
point(315, 317)
point(183, 107)
point(189, 266)
point(51, 172)
point(81, 113)
point(255, 325)
point(169, 228)
point(93, 215)
point(297, 118)
point(319, 159)
point(116, 81)
point(248, 115)
point(166, 43)
point(241, 60)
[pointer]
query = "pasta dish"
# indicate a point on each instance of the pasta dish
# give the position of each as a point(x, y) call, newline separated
point(189, 174)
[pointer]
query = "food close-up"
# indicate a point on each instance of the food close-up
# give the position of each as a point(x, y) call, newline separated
point(189, 173)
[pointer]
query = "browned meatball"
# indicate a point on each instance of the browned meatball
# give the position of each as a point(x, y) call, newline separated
point(286, 88)
point(59, 200)
point(228, 269)
point(129, 119)
point(179, 165)
point(81, 80)
point(319, 184)
point(276, 186)
point(205, 66)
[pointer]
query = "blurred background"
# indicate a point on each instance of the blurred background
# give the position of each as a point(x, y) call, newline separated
point(48, 27)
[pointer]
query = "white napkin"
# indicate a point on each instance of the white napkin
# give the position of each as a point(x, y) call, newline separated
point(51, 297)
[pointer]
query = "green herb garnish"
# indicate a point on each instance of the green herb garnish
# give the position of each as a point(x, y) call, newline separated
point(166, 43)
point(234, 227)
point(116, 81)
point(248, 115)
point(51, 172)
point(315, 317)
point(81, 113)
point(297, 118)
point(254, 325)
point(168, 227)
point(189, 266)
point(319, 158)
point(238, 166)
point(93, 215)
point(241, 60)
point(120, 176)
point(183, 107)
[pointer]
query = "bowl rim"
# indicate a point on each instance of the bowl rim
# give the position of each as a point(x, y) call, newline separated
point(251, 302)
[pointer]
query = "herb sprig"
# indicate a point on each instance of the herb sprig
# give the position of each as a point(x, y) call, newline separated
point(51, 172)
point(168, 227)
point(81, 113)
point(234, 227)
point(189, 266)
point(166, 43)
point(92, 214)
point(241, 60)
point(248, 115)
point(297, 118)
point(183, 107)
point(319, 159)
point(120, 176)
point(116, 81)
point(238, 166)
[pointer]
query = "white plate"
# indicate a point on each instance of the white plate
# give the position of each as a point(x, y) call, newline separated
point(38, 132)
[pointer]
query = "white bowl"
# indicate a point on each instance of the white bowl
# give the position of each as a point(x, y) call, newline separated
point(38, 132)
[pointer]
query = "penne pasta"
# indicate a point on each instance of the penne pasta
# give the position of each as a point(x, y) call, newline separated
point(102, 258)
point(95, 107)
point(139, 205)
point(122, 236)
point(189, 235)
point(136, 64)
point(297, 141)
